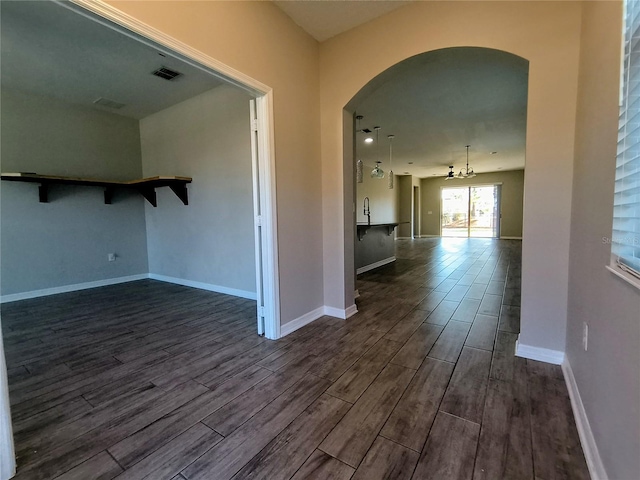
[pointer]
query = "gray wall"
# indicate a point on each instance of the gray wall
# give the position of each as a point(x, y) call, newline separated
point(511, 202)
point(211, 240)
point(66, 241)
point(607, 373)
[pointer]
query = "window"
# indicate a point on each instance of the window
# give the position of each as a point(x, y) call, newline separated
point(625, 240)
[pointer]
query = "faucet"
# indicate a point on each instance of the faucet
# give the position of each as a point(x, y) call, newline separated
point(367, 211)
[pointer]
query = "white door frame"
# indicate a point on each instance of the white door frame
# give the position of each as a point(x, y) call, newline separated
point(266, 151)
point(7, 454)
point(130, 26)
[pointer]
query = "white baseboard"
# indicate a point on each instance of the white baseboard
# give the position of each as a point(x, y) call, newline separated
point(301, 321)
point(371, 266)
point(337, 312)
point(205, 286)
point(313, 315)
point(356, 294)
point(429, 236)
point(14, 297)
point(404, 238)
point(589, 447)
point(510, 238)
point(555, 357)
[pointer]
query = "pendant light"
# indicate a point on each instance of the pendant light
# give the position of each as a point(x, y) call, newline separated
point(468, 172)
point(359, 164)
point(377, 172)
point(390, 181)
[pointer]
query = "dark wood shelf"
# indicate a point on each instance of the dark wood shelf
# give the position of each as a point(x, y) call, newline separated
point(145, 186)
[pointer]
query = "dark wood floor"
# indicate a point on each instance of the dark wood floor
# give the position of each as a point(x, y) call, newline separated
point(157, 381)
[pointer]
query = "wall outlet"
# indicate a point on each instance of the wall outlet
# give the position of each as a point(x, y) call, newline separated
point(111, 257)
point(430, 212)
point(585, 336)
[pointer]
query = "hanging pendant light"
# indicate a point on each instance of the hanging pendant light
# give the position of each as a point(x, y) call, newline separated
point(468, 172)
point(359, 164)
point(390, 181)
point(377, 172)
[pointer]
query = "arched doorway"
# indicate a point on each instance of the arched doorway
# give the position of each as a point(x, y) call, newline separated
point(432, 106)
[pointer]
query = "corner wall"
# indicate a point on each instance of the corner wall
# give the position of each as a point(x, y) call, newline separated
point(606, 375)
point(259, 40)
point(211, 240)
point(66, 241)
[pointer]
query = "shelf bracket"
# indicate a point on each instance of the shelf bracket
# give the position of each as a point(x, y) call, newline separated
point(150, 195)
point(108, 195)
point(181, 191)
point(362, 231)
point(43, 193)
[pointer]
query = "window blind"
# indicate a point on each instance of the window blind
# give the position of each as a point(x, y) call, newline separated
point(625, 241)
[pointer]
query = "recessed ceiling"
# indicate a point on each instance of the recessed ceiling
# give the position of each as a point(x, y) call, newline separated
point(325, 19)
point(50, 50)
point(438, 102)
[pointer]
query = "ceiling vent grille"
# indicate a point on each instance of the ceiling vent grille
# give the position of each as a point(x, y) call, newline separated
point(166, 73)
point(105, 102)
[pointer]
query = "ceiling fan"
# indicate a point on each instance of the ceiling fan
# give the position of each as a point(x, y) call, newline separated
point(450, 175)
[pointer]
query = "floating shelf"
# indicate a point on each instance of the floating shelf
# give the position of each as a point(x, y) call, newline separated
point(145, 186)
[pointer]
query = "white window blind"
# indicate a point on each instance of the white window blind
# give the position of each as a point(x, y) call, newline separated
point(625, 241)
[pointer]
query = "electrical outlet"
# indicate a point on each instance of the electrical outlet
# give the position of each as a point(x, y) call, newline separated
point(111, 257)
point(585, 336)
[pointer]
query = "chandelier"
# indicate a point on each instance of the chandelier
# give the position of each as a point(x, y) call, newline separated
point(466, 172)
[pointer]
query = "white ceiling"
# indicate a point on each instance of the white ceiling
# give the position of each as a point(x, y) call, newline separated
point(323, 19)
point(49, 50)
point(438, 102)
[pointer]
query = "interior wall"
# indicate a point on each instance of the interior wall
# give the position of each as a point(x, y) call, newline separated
point(552, 52)
point(511, 201)
point(607, 373)
point(383, 202)
point(66, 241)
point(259, 40)
point(404, 184)
point(211, 240)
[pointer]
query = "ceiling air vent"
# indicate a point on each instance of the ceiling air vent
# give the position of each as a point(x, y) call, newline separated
point(166, 73)
point(105, 102)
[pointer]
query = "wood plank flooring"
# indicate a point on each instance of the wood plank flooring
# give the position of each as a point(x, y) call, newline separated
point(148, 380)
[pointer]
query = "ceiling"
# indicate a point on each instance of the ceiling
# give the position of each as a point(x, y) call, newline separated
point(52, 51)
point(437, 103)
point(434, 103)
point(328, 18)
